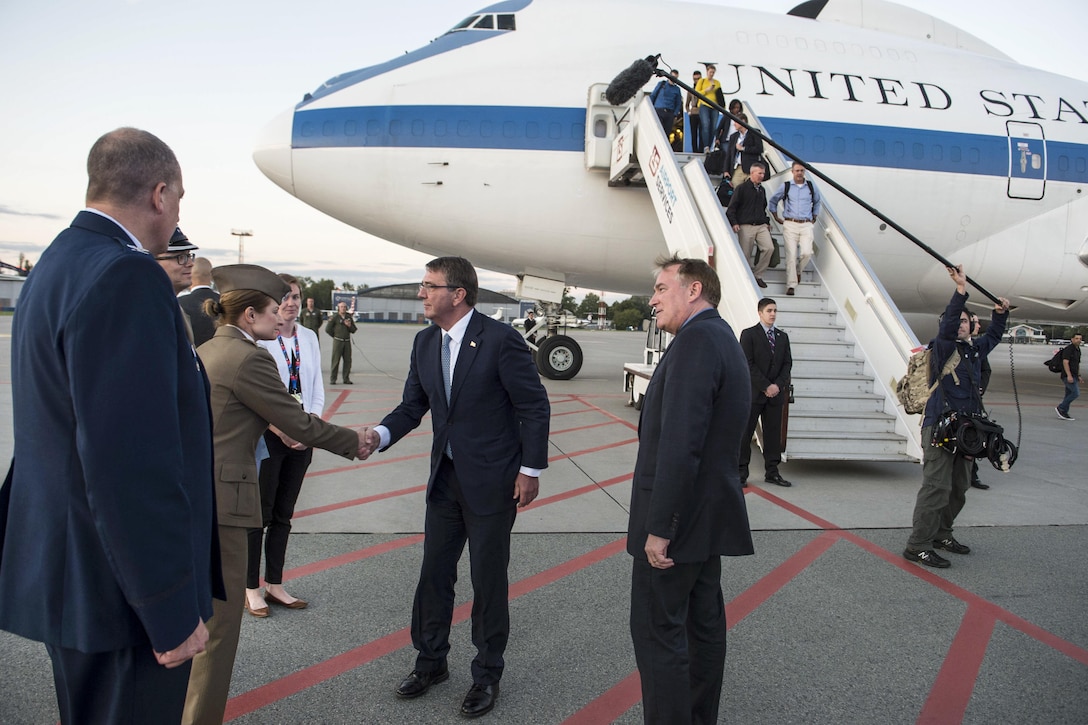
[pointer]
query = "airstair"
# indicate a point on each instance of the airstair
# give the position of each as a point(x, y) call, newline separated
point(848, 340)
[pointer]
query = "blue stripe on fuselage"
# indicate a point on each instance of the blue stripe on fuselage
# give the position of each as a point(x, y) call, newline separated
point(531, 128)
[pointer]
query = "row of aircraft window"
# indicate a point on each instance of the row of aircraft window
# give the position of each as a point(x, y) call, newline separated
point(838, 48)
point(798, 143)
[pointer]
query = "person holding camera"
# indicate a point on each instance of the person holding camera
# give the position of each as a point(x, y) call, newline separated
point(946, 475)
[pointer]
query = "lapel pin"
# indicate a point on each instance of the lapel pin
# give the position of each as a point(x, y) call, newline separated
point(472, 344)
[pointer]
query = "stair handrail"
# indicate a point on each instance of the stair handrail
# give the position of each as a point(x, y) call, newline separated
point(824, 177)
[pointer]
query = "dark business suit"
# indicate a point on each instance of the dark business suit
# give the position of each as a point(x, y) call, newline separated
point(753, 149)
point(766, 367)
point(686, 490)
point(193, 304)
point(108, 546)
point(496, 421)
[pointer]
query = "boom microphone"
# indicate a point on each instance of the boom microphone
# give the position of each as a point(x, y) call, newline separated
point(624, 86)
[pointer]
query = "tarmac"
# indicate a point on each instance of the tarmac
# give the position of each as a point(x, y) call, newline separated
point(828, 623)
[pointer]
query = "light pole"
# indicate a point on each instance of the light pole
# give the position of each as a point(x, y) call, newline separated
point(241, 234)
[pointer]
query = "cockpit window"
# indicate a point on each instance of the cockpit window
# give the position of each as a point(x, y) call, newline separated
point(488, 21)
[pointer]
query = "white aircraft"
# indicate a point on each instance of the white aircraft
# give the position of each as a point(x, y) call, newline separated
point(476, 143)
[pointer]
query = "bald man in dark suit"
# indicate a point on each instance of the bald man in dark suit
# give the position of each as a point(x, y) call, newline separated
point(108, 548)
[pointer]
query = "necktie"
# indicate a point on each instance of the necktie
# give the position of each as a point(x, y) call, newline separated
point(770, 337)
point(447, 379)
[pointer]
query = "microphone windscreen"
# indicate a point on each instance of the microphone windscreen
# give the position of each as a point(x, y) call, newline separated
point(624, 86)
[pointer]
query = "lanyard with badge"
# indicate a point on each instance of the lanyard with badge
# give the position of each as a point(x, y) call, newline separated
point(294, 362)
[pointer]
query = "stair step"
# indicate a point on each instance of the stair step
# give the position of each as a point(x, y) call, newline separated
point(847, 426)
point(827, 386)
point(820, 335)
point(848, 456)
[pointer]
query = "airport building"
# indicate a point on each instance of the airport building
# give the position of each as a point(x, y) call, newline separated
point(10, 286)
point(399, 303)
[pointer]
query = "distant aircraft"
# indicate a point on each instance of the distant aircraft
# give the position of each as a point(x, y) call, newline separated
point(477, 143)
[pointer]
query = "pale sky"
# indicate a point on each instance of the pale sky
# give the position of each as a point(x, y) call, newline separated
point(206, 76)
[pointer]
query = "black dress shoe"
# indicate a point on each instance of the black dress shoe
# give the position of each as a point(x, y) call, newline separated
point(480, 700)
point(761, 283)
point(980, 485)
point(419, 682)
point(347, 382)
point(777, 479)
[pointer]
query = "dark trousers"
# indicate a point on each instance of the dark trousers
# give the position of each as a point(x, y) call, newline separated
point(281, 480)
point(341, 349)
point(449, 524)
point(945, 480)
point(119, 686)
point(667, 118)
point(694, 127)
point(678, 631)
point(772, 436)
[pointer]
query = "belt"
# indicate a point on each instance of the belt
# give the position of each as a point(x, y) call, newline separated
point(800, 221)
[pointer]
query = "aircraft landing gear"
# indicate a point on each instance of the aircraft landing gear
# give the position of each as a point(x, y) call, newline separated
point(559, 358)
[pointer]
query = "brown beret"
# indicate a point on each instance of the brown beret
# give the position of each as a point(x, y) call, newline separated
point(232, 277)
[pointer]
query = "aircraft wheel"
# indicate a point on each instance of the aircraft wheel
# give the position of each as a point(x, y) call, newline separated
point(637, 405)
point(559, 358)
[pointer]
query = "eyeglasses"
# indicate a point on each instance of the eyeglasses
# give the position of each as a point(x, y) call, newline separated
point(182, 259)
point(427, 287)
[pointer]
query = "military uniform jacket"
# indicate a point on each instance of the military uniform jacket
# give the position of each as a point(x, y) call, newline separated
point(247, 395)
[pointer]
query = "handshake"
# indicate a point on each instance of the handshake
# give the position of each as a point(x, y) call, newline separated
point(369, 440)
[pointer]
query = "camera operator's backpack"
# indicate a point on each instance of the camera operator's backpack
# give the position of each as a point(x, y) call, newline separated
point(914, 389)
point(1054, 364)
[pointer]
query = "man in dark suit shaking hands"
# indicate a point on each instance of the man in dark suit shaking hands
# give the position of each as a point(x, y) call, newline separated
point(108, 552)
point(490, 416)
point(770, 365)
point(687, 507)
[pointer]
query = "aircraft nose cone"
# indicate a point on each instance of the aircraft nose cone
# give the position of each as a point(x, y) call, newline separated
point(272, 153)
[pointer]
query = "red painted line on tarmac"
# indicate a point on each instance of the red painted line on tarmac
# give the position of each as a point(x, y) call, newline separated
point(626, 694)
point(951, 693)
point(305, 678)
point(602, 411)
point(596, 486)
point(611, 705)
point(366, 464)
point(359, 501)
point(751, 598)
point(582, 427)
point(351, 557)
point(331, 409)
point(794, 509)
point(597, 449)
